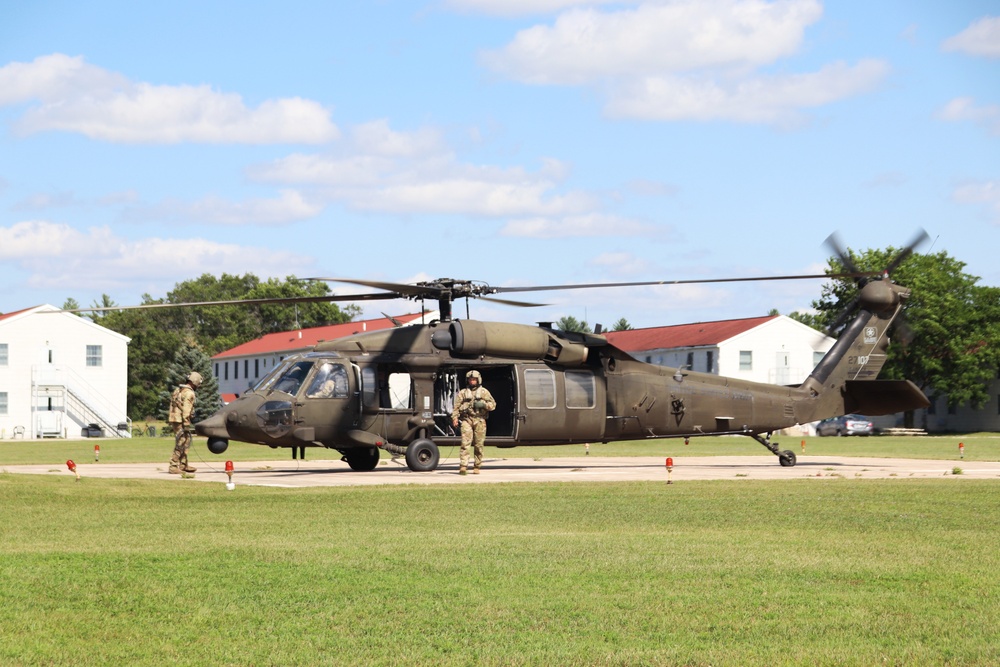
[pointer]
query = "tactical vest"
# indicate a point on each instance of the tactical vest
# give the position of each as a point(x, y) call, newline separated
point(176, 415)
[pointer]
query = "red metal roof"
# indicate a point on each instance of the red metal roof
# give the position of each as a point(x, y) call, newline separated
point(17, 312)
point(683, 335)
point(285, 341)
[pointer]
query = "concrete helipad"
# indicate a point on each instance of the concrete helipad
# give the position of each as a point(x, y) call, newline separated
point(574, 469)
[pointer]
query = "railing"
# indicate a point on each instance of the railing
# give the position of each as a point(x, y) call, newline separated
point(81, 401)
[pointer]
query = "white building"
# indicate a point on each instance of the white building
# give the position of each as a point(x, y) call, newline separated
point(60, 373)
point(241, 367)
point(775, 349)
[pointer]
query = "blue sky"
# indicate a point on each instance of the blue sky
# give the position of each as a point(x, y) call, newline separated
point(507, 141)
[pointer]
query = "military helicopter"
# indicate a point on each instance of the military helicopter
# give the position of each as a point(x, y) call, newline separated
point(551, 386)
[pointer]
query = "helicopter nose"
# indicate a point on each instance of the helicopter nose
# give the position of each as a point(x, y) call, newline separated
point(213, 427)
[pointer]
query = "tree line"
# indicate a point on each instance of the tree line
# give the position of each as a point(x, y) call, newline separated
point(168, 343)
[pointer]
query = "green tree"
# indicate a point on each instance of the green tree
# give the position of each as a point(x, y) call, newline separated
point(954, 322)
point(151, 348)
point(570, 323)
point(72, 304)
point(622, 325)
point(158, 333)
point(808, 319)
point(187, 359)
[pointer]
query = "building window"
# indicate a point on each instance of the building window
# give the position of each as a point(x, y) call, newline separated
point(998, 404)
point(3, 354)
point(256, 368)
point(3, 402)
point(952, 409)
point(690, 361)
point(932, 408)
point(236, 370)
point(246, 368)
point(709, 361)
point(746, 360)
point(94, 356)
point(225, 370)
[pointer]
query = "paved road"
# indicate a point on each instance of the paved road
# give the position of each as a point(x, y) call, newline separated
point(573, 469)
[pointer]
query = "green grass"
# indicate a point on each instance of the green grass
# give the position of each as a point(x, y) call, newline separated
point(845, 572)
point(978, 447)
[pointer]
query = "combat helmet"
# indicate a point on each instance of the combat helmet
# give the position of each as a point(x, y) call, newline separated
point(195, 379)
point(474, 374)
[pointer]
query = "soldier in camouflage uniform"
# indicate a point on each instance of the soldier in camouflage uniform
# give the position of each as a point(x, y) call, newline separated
point(181, 410)
point(472, 405)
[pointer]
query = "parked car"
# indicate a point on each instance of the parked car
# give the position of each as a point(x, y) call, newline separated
point(845, 425)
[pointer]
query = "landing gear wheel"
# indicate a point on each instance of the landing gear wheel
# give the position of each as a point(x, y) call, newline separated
point(786, 458)
point(363, 459)
point(422, 455)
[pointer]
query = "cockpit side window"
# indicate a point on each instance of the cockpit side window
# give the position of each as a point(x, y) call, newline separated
point(330, 381)
point(292, 378)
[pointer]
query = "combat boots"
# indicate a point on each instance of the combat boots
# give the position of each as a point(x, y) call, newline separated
point(461, 470)
point(188, 468)
point(475, 471)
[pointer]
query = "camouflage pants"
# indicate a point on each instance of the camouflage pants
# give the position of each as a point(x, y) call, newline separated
point(473, 433)
point(182, 442)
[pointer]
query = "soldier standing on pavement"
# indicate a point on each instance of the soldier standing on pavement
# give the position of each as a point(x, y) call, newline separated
point(181, 410)
point(472, 405)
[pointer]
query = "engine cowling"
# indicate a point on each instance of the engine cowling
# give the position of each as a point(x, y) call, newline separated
point(514, 341)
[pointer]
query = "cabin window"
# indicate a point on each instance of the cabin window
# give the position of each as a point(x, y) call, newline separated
point(330, 381)
point(581, 391)
point(398, 387)
point(540, 388)
point(746, 360)
point(94, 356)
point(3, 354)
point(818, 357)
point(3, 402)
point(369, 387)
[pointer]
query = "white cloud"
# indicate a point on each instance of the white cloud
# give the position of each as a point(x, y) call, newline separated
point(521, 7)
point(965, 109)
point(686, 60)
point(774, 99)
point(377, 138)
point(416, 173)
point(984, 192)
point(591, 224)
point(587, 45)
point(290, 206)
point(981, 38)
point(57, 255)
point(67, 94)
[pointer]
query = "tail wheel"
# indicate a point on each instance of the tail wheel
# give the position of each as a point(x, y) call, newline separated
point(362, 459)
point(422, 455)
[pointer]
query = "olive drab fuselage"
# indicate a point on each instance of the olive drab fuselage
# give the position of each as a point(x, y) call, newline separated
point(550, 387)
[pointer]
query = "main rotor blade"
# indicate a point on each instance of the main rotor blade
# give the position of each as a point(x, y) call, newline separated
point(918, 240)
point(508, 302)
point(694, 281)
point(401, 289)
point(236, 302)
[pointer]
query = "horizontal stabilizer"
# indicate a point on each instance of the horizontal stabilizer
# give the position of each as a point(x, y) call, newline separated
point(882, 397)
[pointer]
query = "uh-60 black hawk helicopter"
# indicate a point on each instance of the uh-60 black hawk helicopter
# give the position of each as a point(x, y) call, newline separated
point(550, 386)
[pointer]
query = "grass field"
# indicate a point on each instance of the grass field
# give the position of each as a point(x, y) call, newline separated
point(847, 572)
point(978, 447)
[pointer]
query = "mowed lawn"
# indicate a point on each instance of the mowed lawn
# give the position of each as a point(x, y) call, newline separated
point(838, 572)
point(977, 447)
